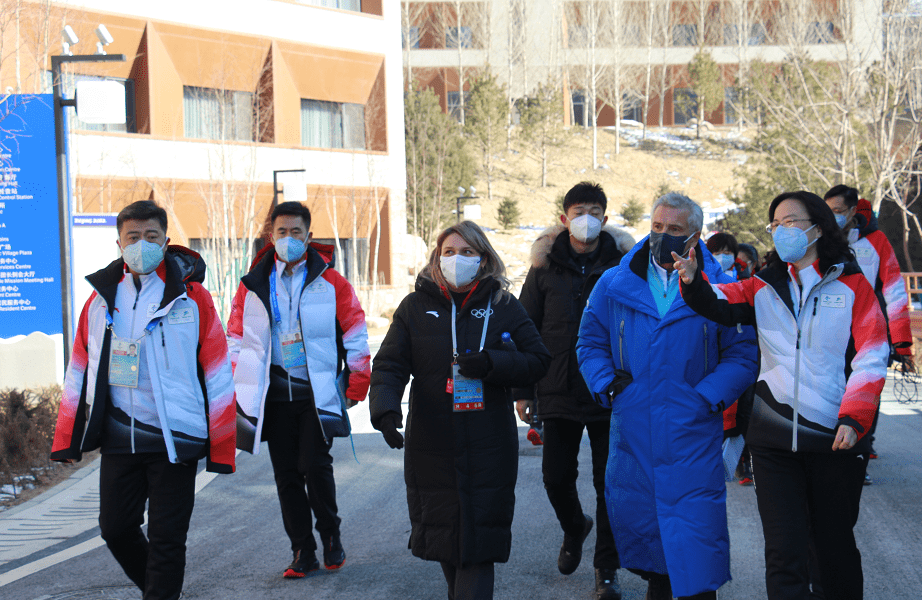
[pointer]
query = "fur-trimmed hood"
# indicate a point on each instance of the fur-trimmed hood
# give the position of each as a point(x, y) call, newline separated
point(541, 249)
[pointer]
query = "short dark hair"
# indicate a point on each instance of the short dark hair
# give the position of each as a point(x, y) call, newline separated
point(585, 192)
point(849, 194)
point(292, 209)
point(142, 210)
point(723, 241)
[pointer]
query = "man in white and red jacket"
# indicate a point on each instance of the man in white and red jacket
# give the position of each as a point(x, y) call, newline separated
point(299, 347)
point(878, 262)
point(149, 382)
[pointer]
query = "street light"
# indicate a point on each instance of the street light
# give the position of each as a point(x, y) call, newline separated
point(275, 184)
point(470, 195)
point(60, 129)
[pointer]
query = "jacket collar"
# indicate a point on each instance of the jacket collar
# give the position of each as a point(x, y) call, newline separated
point(426, 285)
point(257, 280)
point(179, 266)
point(608, 253)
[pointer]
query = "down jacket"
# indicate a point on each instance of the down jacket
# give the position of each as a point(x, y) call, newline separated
point(554, 296)
point(460, 468)
point(825, 363)
point(664, 484)
point(194, 391)
point(332, 327)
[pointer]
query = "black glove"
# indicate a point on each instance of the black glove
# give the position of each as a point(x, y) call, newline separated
point(474, 366)
point(622, 380)
point(388, 427)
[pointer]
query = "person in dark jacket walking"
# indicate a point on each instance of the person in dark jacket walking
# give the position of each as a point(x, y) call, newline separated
point(461, 458)
point(567, 260)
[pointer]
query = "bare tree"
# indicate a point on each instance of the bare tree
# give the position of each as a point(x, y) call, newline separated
point(584, 30)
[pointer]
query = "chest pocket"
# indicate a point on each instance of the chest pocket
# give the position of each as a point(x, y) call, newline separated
point(177, 334)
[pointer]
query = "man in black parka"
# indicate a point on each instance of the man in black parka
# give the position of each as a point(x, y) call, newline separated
point(567, 260)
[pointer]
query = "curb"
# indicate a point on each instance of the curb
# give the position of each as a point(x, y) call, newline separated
point(75, 477)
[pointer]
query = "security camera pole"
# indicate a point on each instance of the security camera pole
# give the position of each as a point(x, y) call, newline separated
point(463, 196)
point(60, 127)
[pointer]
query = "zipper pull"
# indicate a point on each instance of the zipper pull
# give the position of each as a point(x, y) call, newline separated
point(162, 337)
point(815, 301)
point(798, 340)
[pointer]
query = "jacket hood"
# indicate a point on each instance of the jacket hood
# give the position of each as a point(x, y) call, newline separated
point(191, 264)
point(541, 248)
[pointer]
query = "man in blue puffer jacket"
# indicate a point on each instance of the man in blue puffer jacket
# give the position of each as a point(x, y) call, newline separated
point(664, 483)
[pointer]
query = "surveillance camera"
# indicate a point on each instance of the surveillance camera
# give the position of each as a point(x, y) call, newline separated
point(104, 36)
point(100, 49)
point(69, 36)
point(9, 89)
point(473, 191)
point(461, 190)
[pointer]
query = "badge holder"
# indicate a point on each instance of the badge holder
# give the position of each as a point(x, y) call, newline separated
point(467, 393)
point(124, 362)
point(293, 354)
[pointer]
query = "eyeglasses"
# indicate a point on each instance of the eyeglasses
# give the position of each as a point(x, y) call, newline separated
point(771, 227)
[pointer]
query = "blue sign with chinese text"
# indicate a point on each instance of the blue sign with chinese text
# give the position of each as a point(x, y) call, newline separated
point(30, 255)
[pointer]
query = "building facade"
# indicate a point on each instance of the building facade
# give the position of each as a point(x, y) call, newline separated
point(633, 51)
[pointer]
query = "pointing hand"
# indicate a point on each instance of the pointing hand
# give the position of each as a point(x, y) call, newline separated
point(686, 267)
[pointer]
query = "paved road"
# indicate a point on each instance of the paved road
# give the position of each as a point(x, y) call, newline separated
point(49, 548)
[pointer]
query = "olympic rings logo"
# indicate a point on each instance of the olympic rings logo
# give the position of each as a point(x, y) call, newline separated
point(479, 313)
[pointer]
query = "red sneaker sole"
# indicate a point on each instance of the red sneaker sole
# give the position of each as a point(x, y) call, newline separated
point(746, 481)
point(334, 567)
point(534, 438)
point(292, 574)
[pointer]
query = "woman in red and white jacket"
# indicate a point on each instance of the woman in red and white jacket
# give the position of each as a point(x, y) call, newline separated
point(824, 350)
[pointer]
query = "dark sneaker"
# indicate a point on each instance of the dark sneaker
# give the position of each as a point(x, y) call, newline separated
point(606, 585)
point(303, 563)
point(746, 481)
point(571, 551)
point(333, 554)
point(867, 479)
point(534, 436)
point(659, 588)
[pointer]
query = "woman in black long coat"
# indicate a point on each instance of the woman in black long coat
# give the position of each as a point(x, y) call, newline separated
point(461, 458)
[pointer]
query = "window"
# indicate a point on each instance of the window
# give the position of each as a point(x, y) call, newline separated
point(820, 32)
point(454, 105)
point(332, 125)
point(411, 37)
point(69, 84)
point(684, 35)
point(684, 105)
point(731, 100)
point(577, 36)
point(459, 37)
point(212, 249)
point(632, 107)
point(213, 114)
point(345, 262)
point(355, 5)
point(757, 34)
point(578, 100)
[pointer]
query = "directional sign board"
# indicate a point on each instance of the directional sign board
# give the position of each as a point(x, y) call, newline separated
point(30, 256)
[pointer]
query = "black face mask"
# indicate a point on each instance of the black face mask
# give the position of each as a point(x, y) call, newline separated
point(662, 245)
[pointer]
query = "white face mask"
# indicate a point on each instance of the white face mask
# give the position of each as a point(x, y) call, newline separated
point(290, 249)
point(585, 228)
point(459, 271)
point(143, 256)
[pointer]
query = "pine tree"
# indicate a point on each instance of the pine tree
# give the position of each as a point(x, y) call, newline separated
point(508, 213)
point(706, 83)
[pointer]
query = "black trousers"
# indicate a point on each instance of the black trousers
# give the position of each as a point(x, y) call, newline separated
point(560, 468)
point(800, 490)
point(156, 563)
point(301, 458)
point(472, 582)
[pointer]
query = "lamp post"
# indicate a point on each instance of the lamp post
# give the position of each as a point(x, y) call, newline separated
point(60, 128)
point(465, 195)
point(275, 184)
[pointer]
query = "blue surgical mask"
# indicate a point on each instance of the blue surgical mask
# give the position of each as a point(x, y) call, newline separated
point(143, 256)
point(841, 220)
point(791, 243)
point(290, 249)
point(662, 245)
point(726, 261)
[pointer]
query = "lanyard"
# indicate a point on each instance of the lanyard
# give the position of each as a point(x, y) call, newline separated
point(454, 331)
point(273, 296)
point(150, 326)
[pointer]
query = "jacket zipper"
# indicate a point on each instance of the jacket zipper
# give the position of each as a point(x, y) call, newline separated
point(621, 345)
point(326, 440)
point(816, 301)
point(166, 356)
point(705, 348)
point(131, 390)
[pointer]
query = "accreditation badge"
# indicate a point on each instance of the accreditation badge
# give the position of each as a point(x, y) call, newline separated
point(293, 354)
point(124, 361)
point(467, 393)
